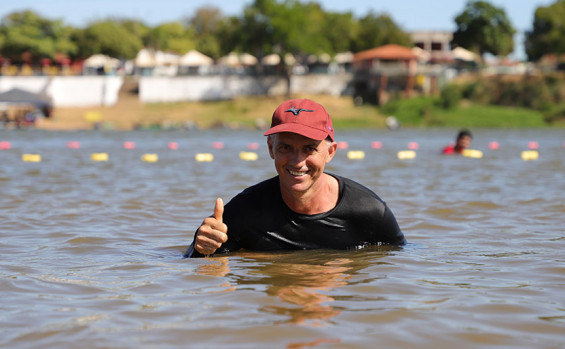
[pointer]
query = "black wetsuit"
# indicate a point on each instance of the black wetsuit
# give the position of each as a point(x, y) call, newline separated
point(259, 220)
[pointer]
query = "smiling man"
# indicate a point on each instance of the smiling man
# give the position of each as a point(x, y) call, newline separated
point(303, 207)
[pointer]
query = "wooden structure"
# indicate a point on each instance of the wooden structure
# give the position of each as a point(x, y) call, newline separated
point(382, 70)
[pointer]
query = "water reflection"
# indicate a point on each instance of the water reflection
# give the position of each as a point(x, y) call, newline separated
point(301, 280)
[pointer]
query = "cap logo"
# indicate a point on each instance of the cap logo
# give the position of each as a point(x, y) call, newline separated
point(295, 111)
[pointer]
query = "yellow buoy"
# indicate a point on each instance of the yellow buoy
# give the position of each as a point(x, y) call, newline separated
point(150, 157)
point(472, 153)
point(528, 155)
point(92, 116)
point(99, 157)
point(406, 154)
point(31, 158)
point(248, 156)
point(204, 157)
point(356, 155)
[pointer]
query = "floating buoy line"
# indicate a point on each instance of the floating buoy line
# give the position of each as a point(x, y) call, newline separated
point(410, 153)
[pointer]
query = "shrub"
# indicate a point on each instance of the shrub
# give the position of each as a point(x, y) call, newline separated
point(450, 96)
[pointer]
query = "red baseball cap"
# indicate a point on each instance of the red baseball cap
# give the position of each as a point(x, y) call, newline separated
point(302, 116)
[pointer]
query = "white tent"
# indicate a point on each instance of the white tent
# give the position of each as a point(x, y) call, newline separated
point(100, 60)
point(247, 59)
point(344, 57)
point(194, 58)
point(423, 55)
point(237, 60)
point(166, 58)
point(463, 54)
point(272, 59)
point(145, 58)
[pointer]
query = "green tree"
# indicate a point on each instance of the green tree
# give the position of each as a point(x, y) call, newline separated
point(251, 33)
point(206, 24)
point(483, 28)
point(296, 29)
point(376, 30)
point(338, 28)
point(286, 27)
point(26, 36)
point(172, 37)
point(548, 33)
point(116, 38)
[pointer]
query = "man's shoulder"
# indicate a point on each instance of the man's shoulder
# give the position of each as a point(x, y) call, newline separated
point(355, 194)
point(267, 184)
point(256, 192)
point(348, 184)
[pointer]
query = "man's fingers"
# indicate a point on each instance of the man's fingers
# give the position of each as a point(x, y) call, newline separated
point(219, 210)
point(213, 232)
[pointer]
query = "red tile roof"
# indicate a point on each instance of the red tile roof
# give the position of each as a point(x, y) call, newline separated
point(386, 52)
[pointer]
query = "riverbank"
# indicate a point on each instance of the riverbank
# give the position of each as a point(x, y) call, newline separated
point(255, 112)
point(243, 112)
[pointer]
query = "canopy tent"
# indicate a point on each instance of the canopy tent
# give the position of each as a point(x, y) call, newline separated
point(194, 58)
point(423, 55)
point(237, 60)
point(145, 58)
point(275, 59)
point(100, 60)
point(19, 96)
point(272, 59)
point(166, 58)
point(344, 57)
point(464, 55)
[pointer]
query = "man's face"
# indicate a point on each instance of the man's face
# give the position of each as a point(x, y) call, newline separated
point(299, 161)
point(464, 141)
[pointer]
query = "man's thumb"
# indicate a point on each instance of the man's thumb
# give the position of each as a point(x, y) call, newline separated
point(219, 209)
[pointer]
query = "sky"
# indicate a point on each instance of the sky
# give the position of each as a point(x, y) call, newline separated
point(408, 14)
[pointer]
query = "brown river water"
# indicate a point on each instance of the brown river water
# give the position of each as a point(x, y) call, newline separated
point(91, 252)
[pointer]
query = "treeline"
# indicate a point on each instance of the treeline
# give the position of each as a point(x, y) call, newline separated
point(265, 27)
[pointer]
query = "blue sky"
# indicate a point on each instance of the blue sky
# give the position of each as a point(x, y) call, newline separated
point(409, 14)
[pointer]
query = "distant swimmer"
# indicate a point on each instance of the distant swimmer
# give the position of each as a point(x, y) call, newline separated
point(302, 207)
point(462, 142)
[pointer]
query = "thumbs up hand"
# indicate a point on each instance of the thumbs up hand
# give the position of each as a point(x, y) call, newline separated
point(213, 232)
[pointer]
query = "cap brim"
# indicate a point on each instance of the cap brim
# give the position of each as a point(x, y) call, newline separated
point(299, 129)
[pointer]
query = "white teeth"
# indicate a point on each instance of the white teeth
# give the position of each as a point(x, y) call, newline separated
point(297, 173)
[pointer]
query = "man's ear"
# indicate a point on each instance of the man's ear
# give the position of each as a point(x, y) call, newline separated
point(270, 145)
point(332, 148)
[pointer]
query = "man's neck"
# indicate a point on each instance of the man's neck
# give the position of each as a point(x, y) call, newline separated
point(321, 198)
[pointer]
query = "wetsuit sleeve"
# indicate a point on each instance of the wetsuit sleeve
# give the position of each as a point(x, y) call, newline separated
point(191, 251)
point(392, 233)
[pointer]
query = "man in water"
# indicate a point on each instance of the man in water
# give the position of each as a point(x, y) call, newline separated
point(303, 207)
point(462, 142)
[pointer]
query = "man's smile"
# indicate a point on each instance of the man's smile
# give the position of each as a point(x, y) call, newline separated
point(297, 173)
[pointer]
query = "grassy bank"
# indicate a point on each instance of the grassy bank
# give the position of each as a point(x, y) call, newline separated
point(248, 112)
point(428, 112)
point(243, 112)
